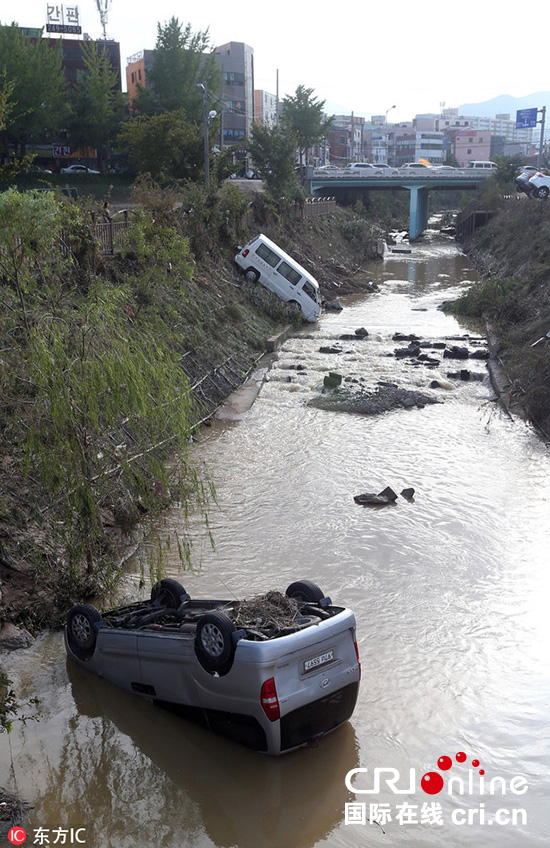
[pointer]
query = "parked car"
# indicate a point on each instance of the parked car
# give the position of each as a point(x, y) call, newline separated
point(263, 261)
point(78, 169)
point(272, 673)
point(541, 185)
point(524, 185)
point(37, 169)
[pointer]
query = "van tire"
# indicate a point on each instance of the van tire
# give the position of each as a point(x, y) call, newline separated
point(214, 646)
point(305, 590)
point(168, 592)
point(81, 630)
point(251, 275)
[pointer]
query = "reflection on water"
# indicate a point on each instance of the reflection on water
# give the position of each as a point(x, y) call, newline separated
point(449, 590)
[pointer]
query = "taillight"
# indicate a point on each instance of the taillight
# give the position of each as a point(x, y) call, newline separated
point(269, 700)
point(245, 252)
point(358, 660)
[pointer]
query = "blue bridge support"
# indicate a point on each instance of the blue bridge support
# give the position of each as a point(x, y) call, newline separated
point(418, 210)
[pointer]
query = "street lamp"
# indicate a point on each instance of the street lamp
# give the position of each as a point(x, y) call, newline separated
point(206, 116)
point(388, 110)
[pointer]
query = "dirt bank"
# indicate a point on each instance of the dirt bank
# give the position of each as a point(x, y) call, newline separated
point(513, 253)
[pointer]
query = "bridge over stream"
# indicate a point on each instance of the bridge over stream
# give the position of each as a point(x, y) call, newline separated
point(417, 183)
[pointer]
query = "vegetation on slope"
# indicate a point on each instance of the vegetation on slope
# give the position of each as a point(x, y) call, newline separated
point(513, 251)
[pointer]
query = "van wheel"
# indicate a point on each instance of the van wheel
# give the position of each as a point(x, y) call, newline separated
point(214, 645)
point(168, 592)
point(81, 631)
point(251, 275)
point(305, 590)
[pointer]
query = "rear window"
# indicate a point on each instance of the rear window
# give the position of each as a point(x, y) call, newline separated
point(289, 273)
point(265, 253)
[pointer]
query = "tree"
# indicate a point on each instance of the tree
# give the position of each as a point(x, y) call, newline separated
point(507, 169)
point(182, 59)
point(303, 114)
point(272, 150)
point(37, 102)
point(97, 104)
point(166, 146)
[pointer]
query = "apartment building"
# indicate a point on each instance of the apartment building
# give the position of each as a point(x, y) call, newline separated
point(265, 108)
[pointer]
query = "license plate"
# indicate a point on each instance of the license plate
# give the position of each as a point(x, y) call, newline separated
point(315, 662)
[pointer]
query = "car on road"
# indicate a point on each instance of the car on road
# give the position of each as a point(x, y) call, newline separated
point(540, 184)
point(78, 169)
point(273, 673)
point(415, 166)
point(330, 169)
point(443, 169)
point(360, 166)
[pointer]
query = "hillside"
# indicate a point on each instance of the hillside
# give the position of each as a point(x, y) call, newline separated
point(513, 253)
point(107, 365)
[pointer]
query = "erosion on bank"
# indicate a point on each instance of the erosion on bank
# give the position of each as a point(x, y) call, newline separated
point(107, 365)
point(513, 253)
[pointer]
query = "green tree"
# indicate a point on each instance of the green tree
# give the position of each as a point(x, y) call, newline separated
point(304, 115)
point(507, 168)
point(97, 104)
point(182, 59)
point(272, 150)
point(38, 97)
point(166, 146)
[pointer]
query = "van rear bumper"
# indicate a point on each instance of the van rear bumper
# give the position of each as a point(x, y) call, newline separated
point(318, 717)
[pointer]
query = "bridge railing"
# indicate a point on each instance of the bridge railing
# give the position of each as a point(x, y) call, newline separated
point(398, 174)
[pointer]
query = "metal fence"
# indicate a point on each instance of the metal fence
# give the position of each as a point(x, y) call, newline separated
point(111, 236)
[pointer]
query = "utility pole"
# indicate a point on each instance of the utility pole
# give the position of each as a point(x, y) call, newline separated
point(541, 144)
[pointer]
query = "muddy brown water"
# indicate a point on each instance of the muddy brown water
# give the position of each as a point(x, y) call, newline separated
point(450, 592)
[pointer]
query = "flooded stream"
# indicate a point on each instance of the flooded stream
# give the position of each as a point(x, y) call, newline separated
point(449, 589)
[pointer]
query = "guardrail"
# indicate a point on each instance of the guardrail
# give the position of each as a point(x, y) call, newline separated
point(400, 174)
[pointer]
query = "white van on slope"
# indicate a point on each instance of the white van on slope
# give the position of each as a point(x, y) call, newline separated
point(261, 260)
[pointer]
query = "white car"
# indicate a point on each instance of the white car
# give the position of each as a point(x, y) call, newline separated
point(541, 185)
point(273, 673)
point(415, 166)
point(78, 169)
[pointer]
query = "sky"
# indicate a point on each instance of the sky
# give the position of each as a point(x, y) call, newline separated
point(365, 60)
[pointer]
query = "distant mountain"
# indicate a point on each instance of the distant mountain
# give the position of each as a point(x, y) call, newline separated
point(506, 104)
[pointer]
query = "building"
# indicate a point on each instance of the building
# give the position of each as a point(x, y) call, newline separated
point(345, 139)
point(237, 69)
point(265, 108)
point(470, 145)
point(136, 72)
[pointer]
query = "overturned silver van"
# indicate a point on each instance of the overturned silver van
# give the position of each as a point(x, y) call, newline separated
point(273, 673)
point(262, 261)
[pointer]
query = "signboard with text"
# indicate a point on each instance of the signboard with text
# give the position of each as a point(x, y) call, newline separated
point(64, 19)
point(526, 118)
